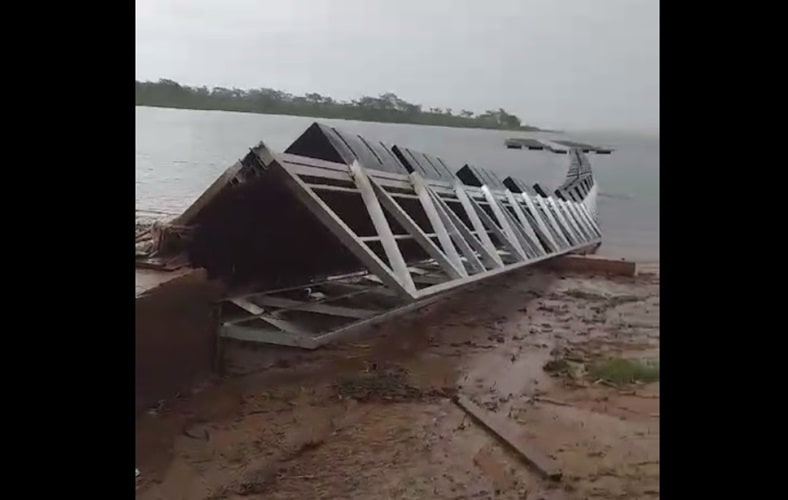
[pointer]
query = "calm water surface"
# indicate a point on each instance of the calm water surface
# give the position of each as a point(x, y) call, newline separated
point(180, 152)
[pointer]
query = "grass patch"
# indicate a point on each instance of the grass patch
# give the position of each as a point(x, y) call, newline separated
point(624, 371)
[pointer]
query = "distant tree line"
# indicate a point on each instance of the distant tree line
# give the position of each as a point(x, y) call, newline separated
point(384, 108)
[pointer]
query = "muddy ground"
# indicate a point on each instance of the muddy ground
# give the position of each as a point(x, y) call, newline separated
point(373, 417)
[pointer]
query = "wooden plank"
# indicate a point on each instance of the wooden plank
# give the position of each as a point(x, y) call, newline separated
point(593, 264)
point(390, 247)
point(249, 334)
point(506, 433)
point(337, 226)
point(329, 310)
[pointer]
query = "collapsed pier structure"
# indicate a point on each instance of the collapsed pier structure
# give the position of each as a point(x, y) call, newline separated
point(339, 232)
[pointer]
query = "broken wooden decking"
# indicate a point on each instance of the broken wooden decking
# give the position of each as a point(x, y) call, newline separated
point(340, 232)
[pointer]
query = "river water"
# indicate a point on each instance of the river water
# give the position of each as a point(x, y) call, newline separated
point(180, 152)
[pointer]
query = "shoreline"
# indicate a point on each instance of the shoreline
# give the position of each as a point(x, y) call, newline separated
point(382, 403)
point(523, 129)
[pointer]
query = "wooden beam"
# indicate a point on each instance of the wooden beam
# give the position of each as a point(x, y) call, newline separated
point(504, 431)
point(249, 334)
point(594, 264)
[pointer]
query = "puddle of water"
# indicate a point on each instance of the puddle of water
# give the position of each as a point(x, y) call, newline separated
point(519, 377)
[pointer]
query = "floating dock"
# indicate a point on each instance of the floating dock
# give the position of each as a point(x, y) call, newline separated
point(519, 143)
point(585, 148)
point(339, 232)
point(547, 145)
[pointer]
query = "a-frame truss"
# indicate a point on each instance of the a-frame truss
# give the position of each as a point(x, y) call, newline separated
point(433, 235)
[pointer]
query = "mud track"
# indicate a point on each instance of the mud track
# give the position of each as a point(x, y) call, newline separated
point(373, 418)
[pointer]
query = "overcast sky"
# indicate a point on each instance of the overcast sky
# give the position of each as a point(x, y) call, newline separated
point(570, 64)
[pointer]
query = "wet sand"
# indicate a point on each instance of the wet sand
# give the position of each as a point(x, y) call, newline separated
point(373, 417)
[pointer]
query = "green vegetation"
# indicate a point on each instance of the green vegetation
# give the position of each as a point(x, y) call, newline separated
point(624, 371)
point(384, 108)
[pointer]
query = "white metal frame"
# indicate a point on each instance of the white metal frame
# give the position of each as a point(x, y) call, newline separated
point(506, 231)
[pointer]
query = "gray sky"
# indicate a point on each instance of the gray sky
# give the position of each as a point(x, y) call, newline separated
point(570, 64)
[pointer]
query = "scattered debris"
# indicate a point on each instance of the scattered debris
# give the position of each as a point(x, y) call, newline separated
point(582, 295)
point(542, 399)
point(387, 385)
point(558, 366)
point(195, 434)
